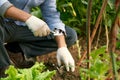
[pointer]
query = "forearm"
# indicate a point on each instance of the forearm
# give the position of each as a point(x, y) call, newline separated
point(36, 25)
point(60, 41)
point(17, 14)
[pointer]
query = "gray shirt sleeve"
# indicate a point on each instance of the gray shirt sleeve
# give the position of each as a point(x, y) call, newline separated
point(2, 2)
point(4, 6)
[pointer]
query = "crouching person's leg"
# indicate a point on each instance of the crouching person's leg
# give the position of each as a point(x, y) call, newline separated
point(71, 36)
point(17, 57)
point(43, 45)
point(4, 58)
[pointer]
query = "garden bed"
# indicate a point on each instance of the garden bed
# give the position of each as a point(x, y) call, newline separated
point(62, 74)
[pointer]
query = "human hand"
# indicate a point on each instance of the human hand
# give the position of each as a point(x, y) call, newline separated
point(64, 55)
point(37, 26)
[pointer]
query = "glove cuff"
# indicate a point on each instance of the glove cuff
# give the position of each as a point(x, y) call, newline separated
point(63, 48)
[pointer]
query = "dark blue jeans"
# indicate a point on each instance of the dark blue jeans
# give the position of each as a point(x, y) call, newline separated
point(29, 44)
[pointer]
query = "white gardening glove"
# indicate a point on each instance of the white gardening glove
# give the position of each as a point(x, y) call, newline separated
point(63, 55)
point(37, 26)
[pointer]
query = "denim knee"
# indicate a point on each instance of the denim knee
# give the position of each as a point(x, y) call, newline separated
point(1, 35)
point(71, 37)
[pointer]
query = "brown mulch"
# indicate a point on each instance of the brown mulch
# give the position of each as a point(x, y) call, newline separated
point(51, 62)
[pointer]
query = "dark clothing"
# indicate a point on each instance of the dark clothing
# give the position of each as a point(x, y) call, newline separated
point(30, 45)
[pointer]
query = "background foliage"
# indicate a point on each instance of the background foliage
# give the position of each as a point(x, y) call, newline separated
point(73, 13)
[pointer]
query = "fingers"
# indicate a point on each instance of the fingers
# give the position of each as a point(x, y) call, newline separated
point(72, 66)
point(69, 64)
point(46, 32)
point(35, 33)
point(58, 61)
point(42, 32)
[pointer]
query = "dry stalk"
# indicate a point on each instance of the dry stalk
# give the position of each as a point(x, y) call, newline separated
point(99, 19)
point(95, 28)
point(107, 38)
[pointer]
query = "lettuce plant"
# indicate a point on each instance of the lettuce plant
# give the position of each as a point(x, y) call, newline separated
point(36, 72)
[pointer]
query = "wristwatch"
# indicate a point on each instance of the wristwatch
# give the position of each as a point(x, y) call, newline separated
point(57, 32)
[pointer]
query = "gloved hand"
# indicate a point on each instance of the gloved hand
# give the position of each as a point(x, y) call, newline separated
point(37, 26)
point(64, 55)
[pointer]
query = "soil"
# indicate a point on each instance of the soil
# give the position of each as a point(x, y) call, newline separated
point(51, 62)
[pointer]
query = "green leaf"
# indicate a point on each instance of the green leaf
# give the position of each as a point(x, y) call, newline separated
point(27, 74)
point(36, 72)
point(96, 53)
point(45, 75)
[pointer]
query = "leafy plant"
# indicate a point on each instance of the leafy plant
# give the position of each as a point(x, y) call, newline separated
point(37, 72)
point(99, 65)
point(73, 13)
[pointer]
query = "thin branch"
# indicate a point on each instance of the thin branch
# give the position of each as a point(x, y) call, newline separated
point(98, 19)
point(98, 37)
